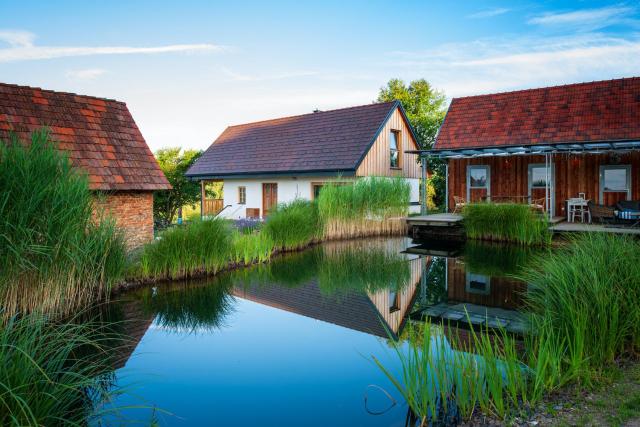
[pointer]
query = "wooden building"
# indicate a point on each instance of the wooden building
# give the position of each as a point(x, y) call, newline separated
point(264, 163)
point(549, 144)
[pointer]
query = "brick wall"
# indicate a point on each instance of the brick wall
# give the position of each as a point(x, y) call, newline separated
point(133, 212)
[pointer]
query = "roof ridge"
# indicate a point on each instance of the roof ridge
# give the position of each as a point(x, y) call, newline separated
point(508, 92)
point(60, 92)
point(312, 113)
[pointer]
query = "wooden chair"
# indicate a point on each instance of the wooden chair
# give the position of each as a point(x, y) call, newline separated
point(459, 203)
point(537, 205)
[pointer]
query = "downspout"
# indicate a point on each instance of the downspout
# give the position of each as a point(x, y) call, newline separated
point(423, 201)
point(446, 186)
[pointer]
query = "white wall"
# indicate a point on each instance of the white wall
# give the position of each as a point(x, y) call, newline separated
point(288, 189)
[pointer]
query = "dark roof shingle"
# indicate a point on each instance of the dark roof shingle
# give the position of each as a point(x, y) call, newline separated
point(99, 134)
point(335, 140)
point(583, 112)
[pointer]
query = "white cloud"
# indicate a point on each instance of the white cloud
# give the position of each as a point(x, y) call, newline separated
point(599, 17)
point(86, 74)
point(489, 13)
point(22, 48)
point(238, 77)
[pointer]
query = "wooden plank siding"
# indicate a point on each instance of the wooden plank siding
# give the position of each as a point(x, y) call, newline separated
point(574, 173)
point(377, 160)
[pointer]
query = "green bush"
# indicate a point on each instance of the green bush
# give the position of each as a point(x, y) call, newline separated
point(54, 255)
point(53, 374)
point(509, 222)
point(293, 225)
point(199, 247)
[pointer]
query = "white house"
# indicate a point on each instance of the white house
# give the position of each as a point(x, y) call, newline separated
point(274, 161)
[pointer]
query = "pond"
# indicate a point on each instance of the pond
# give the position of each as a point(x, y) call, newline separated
point(290, 342)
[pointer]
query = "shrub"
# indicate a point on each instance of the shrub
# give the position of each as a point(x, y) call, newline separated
point(55, 255)
point(369, 206)
point(53, 374)
point(510, 222)
point(200, 247)
point(293, 225)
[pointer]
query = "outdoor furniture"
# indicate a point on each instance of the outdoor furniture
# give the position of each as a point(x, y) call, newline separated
point(601, 213)
point(537, 204)
point(578, 207)
point(629, 210)
point(459, 203)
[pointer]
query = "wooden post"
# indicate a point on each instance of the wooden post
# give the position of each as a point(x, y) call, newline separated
point(202, 197)
point(423, 201)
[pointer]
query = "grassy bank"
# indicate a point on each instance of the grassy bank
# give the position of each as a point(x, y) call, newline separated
point(583, 316)
point(55, 257)
point(505, 222)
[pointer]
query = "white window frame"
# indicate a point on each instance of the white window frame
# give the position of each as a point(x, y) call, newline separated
point(398, 149)
point(552, 184)
point(487, 168)
point(627, 168)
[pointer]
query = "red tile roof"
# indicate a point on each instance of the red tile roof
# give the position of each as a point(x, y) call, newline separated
point(584, 112)
point(99, 134)
point(326, 141)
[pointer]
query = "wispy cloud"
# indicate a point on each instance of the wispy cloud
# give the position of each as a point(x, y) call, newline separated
point(491, 65)
point(21, 47)
point(86, 74)
point(489, 13)
point(239, 77)
point(600, 17)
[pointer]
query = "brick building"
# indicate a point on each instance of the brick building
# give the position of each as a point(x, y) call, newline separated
point(101, 138)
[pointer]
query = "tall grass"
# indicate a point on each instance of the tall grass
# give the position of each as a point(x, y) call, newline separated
point(507, 222)
point(583, 301)
point(369, 206)
point(56, 255)
point(53, 374)
point(200, 247)
point(293, 225)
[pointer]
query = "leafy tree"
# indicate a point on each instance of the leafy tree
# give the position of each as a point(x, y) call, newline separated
point(175, 162)
point(425, 107)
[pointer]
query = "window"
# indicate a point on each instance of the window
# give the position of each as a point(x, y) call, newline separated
point(394, 149)
point(478, 178)
point(539, 177)
point(315, 189)
point(394, 301)
point(615, 179)
point(478, 284)
point(242, 195)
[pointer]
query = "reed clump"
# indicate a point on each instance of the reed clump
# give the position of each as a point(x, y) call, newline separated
point(372, 206)
point(506, 222)
point(57, 255)
point(293, 225)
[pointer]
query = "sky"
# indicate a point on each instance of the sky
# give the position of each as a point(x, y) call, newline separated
point(189, 69)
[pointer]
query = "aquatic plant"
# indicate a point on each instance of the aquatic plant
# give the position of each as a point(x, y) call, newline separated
point(497, 259)
point(54, 374)
point(56, 254)
point(507, 222)
point(293, 225)
point(369, 206)
point(249, 248)
point(583, 302)
point(203, 246)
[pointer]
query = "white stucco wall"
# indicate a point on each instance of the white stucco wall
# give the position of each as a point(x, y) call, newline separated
point(288, 189)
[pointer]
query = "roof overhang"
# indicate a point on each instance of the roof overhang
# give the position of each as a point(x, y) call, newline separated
point(274, 174)
point(592, 147)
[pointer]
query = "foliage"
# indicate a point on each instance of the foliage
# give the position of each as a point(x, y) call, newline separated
point(293, 225)
point(175, 162)
point(426, 109)
point(53, 374)
point(200, 247)
point(365, 207)
point(510, 222)
point(249, 248)
point(584, 301)
point(497, 260)
point(55, 254)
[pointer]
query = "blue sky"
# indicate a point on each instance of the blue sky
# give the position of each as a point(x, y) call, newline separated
point(188, 69)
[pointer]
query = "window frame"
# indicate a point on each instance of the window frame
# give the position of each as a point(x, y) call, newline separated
point(242, 194)
point(627, 169)
point(487, 186)
point(398, 149)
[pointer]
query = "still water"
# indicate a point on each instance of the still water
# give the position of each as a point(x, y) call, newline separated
point(291, 342)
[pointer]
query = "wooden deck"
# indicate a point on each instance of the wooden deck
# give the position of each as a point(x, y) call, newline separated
point(578, 227)
point(435, 220)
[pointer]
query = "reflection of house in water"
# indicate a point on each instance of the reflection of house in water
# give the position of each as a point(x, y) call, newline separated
point(136, 321)
point(371, 312)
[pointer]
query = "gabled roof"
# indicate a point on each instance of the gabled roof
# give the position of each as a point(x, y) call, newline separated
point(585, 112)
point(99, 134)
point(333, 141)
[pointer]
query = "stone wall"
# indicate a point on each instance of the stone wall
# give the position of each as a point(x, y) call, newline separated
point(133, 212)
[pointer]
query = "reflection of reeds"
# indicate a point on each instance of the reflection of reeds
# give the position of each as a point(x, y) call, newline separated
point(495, 259)
point(56, 254)
point(370, 206)
point(510, 222)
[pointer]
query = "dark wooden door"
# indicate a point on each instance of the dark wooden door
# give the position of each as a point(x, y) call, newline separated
point(269, 197)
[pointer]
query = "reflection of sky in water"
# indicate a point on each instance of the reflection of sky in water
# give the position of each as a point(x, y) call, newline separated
point(267, 367)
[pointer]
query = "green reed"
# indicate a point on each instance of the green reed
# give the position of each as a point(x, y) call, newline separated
point(507, 222)
point(57, 255)
point(293, 225)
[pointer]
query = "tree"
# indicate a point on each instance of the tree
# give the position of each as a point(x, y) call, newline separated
point(175, 162)
point(425, 108)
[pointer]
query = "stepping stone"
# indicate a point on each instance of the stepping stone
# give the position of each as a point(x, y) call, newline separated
point(497, 323)
point(453, 315)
